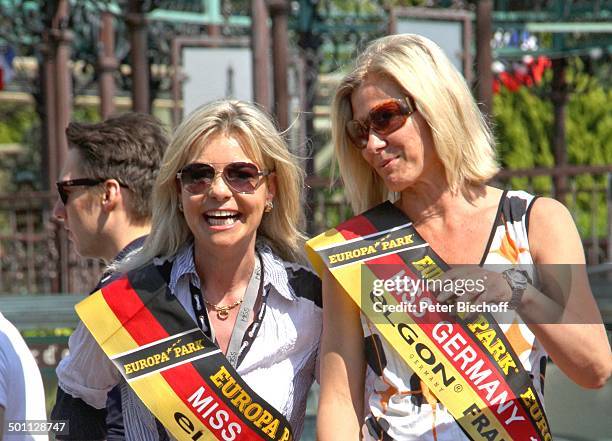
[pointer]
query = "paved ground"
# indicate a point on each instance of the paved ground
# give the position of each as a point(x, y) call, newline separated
point(575, 414)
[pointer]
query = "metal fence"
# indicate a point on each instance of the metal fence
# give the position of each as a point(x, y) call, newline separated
point(36, 256)
point(585, 190)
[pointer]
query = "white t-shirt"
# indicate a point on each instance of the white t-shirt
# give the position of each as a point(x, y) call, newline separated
point(21, 388)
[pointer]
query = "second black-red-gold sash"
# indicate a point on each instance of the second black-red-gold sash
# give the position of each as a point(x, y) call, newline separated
point(469, 365)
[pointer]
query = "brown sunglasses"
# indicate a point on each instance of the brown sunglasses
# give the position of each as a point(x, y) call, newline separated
point(240, 177)
point(384, 119)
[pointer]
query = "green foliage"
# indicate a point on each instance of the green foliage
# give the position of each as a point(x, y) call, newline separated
point(19, 124)
point(589, 135)
point(523, 123)
point(41, 332)
point(15, 121)
point(86, 114)
point(524, 126)
point(589, 126)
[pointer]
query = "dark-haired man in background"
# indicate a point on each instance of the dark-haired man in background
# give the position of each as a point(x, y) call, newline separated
point(104, 203)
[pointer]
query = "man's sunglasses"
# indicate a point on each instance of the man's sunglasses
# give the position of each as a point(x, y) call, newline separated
point(83, 182)
point(384, 119)
point(240, 177)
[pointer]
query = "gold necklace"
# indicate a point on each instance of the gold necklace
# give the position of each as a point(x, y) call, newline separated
point(223, 311)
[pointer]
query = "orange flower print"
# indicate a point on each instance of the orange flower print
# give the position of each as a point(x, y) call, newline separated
point(509, 249)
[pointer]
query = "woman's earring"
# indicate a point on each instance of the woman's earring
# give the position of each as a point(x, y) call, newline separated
point(180, 206)
point(269, 206)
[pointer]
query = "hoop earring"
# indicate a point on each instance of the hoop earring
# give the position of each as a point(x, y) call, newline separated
point(269, 206)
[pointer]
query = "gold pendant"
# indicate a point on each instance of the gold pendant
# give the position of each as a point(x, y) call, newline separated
point(222, 314)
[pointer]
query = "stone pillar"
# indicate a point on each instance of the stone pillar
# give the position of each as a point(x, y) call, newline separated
point(260, 46)
point(484, 56)
point(107, 65)
point(559, 98)
point(137, 25)
point(62, 37)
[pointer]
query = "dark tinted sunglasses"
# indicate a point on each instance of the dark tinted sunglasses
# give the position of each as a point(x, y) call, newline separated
point(83, 182)
point(240, 177)
point(384, 119)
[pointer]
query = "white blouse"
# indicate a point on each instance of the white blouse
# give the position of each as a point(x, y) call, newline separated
point(279, 365)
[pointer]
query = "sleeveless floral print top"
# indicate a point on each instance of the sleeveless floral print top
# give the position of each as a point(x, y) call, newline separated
point(398, 406)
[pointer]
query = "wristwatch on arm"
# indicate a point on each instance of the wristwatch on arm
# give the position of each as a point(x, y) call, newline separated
point(518, 281)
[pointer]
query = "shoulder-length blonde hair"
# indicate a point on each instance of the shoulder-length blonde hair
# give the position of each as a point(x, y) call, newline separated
point(462, 140)
point(261, 141)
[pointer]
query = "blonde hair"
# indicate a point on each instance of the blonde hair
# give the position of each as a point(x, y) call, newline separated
point(462, 140)
point(261, 141)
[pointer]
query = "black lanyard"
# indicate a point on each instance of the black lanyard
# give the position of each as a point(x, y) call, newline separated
point(253, 291)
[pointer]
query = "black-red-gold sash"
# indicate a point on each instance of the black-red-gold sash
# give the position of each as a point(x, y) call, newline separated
point(175, 369)
point(469, 365)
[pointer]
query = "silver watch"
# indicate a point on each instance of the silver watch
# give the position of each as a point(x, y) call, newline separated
point(518, 281)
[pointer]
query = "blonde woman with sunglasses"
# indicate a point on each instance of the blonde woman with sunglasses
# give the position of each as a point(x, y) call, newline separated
point(220, 273)
point(415, 155)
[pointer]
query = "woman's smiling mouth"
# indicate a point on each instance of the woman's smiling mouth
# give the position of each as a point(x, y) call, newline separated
point(217, 218)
